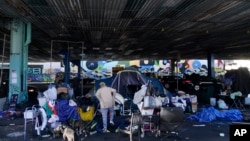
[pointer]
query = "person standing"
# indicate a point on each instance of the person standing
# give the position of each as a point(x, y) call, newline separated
point(106, 96)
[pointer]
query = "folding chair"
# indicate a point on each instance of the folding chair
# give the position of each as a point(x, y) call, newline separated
point(237, 102)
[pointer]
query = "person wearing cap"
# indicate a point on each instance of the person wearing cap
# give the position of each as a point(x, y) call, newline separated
point(106, 97)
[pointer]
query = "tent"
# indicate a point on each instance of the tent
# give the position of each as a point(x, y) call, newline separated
point(127, 82)
point(157, 85)
point(108, 81)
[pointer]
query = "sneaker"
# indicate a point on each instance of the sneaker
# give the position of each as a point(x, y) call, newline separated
point(112, 123)
point(104, 130)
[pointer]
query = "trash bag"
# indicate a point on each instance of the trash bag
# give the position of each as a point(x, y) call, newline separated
point(222, 104)
point(50, 93)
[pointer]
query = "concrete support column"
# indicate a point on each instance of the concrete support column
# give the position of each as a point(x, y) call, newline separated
point(20, 38)
point(27, 40)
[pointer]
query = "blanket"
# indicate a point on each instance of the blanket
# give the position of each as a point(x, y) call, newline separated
point(65, 111)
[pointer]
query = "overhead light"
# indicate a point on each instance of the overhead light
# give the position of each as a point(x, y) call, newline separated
point(114, 56)
point(61, 55)
point(96, 48)
point(109, 53)
point(128, 52)
point(108, 48)
point(82, 54)
point(123, 47)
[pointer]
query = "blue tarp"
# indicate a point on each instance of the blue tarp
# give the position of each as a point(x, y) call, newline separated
point(210, 114)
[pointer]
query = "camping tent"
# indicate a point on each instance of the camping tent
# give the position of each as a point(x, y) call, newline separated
point(108, 81)
point(157, 85)
point(127, 82)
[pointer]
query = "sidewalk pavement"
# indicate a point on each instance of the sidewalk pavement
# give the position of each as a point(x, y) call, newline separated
point(13, 130)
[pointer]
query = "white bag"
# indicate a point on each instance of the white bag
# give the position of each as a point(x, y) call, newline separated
point(221, 104)
point(149, 102)
point(50, 94)
point(145, 112)
point(158, 101)
point(139, 95)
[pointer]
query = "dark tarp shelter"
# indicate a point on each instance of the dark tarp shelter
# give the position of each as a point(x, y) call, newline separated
point(127, 82)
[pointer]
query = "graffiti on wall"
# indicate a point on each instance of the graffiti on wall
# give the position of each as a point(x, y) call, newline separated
point(103, 69)
point(100, 68)
point(198, 67)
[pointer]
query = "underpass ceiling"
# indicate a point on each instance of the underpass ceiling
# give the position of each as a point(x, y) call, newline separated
point(130, 29)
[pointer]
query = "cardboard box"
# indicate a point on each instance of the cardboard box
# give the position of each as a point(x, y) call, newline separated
point(194, 107)
point(193, 99)
point(62, 90)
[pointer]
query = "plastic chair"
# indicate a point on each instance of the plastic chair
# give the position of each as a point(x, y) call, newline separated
point(134, 127)
point(171, 120)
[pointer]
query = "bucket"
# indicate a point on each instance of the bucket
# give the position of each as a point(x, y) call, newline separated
point(213, 101)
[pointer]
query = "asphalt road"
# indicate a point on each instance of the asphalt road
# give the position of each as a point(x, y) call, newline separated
point(14, 129)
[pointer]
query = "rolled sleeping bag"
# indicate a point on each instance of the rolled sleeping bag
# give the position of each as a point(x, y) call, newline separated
point(40, 127)
point(119, 98)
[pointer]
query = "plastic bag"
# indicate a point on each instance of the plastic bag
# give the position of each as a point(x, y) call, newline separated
point(149, 102)
point(221, 104)
point(158, 101)
point(51, 93)
point(139, 95)
point(86, 116)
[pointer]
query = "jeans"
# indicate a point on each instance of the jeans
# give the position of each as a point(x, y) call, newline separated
point(104, 112)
